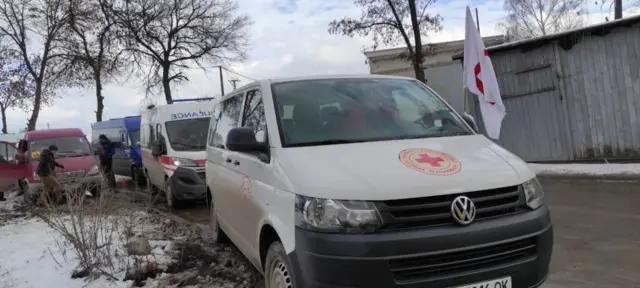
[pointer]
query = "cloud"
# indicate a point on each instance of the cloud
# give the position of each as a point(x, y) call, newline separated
point(288, 38)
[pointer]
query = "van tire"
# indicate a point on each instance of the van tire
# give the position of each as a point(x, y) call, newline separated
point(172, 201)
point(278, 272)
point(217, 235)
point(138, 177)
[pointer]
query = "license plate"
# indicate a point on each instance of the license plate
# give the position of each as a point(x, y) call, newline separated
point(495, 283)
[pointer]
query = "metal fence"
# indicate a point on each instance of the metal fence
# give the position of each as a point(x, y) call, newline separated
point(575, 97)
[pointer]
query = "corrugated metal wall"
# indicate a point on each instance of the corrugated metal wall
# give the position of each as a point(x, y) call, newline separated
point(572, 104)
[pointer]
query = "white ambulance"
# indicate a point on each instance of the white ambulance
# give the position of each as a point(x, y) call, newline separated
point(173, 143)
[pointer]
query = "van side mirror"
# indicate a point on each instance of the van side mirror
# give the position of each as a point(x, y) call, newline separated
point(242, 139)
point(471, 121)
point(156, 148)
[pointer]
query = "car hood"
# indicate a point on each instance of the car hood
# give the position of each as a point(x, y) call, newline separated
point(376, 171)
point(83, 163)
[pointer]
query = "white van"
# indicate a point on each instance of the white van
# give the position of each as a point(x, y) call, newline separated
point(371, 181)
point(173, 143)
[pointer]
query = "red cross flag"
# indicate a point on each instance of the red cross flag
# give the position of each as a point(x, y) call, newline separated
point(480, 79)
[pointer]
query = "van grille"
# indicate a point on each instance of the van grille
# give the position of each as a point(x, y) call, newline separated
point(436, 210)
point(449, 264)
point(71, 177)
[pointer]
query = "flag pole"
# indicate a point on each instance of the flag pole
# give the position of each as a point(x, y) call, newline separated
point(477, 21)
point(464, 86)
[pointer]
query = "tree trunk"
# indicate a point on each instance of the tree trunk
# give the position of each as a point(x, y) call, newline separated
point(99, 99)
point(3, 110)
point(31, 125)
point(166, 85)
point(419, 57)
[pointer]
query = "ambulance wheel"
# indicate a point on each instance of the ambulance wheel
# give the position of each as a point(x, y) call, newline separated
point(153, 190)
point(278, 272)
point(137, 176)
point(172, 201)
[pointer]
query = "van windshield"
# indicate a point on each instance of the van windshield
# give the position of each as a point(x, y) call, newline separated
point(71, 146)
point(188, 134)
point(336, 111)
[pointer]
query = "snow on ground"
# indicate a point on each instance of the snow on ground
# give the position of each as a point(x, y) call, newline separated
point(586, 169)
point(27, 258)
point(33, 255)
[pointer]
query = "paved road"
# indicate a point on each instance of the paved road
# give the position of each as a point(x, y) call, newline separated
point(597, 233)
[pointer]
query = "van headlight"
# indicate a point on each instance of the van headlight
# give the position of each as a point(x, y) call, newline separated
point(177, 161)
point(94, 170)
point(327, 215)
point(533, 193)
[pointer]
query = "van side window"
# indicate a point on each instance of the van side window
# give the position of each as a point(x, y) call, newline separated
point(215, 118)
point(4, 153)
point(254, 116)
point(229, 119)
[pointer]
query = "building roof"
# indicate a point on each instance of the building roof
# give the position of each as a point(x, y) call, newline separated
point(439, 47)
point(567, 38)
point(52, 133)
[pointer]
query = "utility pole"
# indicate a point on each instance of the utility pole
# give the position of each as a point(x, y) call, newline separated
point(234, 83)
point(221, 82)
point(618, 9)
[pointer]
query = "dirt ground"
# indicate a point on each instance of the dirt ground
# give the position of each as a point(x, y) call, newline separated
point(597, 239)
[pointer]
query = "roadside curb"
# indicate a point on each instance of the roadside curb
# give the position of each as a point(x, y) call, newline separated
point(598, 177)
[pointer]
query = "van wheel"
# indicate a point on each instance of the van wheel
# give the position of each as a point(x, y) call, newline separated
point(217, 235)
point(172, 201)
point(278, 271)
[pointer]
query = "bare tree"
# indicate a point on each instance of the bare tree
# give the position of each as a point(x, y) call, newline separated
point(390, 22)
point(16, 87)
point(533, 18)
point(26, 22)
point(93, 43)
point(169, 36)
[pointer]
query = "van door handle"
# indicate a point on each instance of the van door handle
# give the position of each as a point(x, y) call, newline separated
point(228, 160)
point(236, 163)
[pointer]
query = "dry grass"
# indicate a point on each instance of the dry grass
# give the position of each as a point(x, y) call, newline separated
point(100, 232)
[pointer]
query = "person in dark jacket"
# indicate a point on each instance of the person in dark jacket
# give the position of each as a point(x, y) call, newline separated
point(46, 172)
point(106, 160)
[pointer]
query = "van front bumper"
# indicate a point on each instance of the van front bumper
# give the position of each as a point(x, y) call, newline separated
point(188, 184)
point(87, 182)
point(517, 246)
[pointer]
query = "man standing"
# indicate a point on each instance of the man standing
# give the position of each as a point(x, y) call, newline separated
point(106, 160)
point(45, 171)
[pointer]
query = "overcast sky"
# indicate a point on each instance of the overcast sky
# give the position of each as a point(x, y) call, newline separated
point(288, 38)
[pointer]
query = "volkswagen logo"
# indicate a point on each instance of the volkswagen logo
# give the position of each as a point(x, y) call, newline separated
point(463, 210)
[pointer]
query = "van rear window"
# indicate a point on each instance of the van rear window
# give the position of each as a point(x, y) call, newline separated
point(71, 146)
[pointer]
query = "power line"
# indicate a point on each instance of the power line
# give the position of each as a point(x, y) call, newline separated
point(234, 72)
point(225, 68)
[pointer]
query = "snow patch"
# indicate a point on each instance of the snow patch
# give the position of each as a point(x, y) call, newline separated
point(586, 169)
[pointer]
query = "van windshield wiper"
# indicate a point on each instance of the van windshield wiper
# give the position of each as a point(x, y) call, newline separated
point(326, 142)
point(189, 145)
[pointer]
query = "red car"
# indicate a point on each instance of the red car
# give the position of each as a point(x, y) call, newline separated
point(81, 166)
